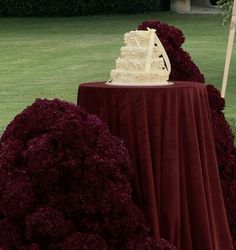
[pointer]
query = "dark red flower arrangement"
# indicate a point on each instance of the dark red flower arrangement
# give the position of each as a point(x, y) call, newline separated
point(226, 156)
point(183, 68)
point(65, 184)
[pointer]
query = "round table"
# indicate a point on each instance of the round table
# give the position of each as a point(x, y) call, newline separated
point(168, 132)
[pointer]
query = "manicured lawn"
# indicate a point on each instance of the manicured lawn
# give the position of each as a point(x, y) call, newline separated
point(49, 57)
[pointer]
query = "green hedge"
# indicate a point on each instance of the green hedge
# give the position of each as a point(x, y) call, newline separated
point(75, 7)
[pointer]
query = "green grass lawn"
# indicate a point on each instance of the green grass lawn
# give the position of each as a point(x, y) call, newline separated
point(49, 57)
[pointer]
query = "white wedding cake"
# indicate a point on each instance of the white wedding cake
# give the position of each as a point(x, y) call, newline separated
point(143, 60)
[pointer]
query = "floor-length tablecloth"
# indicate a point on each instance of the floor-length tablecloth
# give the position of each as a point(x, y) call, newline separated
point(168, 133)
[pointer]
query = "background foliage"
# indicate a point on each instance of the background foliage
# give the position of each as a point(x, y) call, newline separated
point(75, 7)
point(226, 9)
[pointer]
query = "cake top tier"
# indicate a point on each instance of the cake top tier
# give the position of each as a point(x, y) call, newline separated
point(140, 38)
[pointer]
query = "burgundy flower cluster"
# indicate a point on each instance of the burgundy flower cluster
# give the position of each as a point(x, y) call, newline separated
point(65, 184)
point(183, 68)
point(226, 156)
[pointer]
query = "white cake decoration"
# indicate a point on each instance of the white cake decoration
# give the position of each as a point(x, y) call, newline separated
point(143, 60)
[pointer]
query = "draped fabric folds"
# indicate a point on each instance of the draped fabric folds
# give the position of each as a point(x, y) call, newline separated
point(169, 136)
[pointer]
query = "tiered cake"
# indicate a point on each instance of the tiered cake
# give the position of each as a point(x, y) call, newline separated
point(143, 60)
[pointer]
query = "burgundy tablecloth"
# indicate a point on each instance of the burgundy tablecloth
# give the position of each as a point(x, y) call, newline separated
point(168, 132)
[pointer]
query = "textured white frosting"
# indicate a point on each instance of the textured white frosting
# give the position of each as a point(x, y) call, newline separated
point(143, 59)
